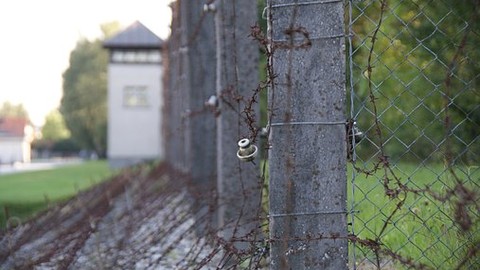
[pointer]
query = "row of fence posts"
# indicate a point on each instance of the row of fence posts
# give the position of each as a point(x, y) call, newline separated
point(211, 53)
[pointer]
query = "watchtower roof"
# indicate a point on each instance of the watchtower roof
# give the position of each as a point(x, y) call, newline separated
point(136, 36)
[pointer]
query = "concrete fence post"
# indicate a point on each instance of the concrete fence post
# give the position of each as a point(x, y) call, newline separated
point(237, 77)
point(307, 158)
point(200, 33)
point(172, 93)
point(184, 80)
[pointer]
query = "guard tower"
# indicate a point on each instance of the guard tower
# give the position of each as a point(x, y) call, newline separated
point(134, 96)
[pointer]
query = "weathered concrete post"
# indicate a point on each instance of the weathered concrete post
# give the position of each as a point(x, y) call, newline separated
point(237, 77)
point(172, 94)
point(184, 80)
point(200, 33)
point(307, 157)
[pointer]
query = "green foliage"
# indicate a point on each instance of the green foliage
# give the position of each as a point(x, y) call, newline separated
point(66, 147)
point(84, 102)
point(56, 138)
point(10, 110)
point(23, 194)
point(110, 28)
point(423, 91)
point(425, 68)
point(54, 128)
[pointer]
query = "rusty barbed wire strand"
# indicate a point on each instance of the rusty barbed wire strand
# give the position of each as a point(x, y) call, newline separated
point(158, 188)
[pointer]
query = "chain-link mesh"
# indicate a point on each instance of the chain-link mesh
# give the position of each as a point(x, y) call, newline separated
point(413, 85)
point(413, 142)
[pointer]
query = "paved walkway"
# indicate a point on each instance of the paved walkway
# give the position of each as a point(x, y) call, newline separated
point(44, 164)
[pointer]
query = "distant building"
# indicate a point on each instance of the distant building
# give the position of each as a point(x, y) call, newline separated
point(134, 96)
point(16, 136)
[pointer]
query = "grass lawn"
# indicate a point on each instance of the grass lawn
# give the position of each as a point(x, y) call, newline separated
point(23, 194)
point(424, 228)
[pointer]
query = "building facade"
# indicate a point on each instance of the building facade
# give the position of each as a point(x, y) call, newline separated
point(16, 136)
point(134, 97)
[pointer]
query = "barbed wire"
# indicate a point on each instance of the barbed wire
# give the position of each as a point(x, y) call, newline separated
point(161, 217)
point(457, 195)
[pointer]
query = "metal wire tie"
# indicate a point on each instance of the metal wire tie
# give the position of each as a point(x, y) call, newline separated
point(307, 3)
point(298, 4)
point(308, 123)
point(309, 239)
point(311, 38)
point(313, 213)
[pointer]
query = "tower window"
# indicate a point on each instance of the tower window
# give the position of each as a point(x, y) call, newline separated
point(135, 96)
point(136, 56)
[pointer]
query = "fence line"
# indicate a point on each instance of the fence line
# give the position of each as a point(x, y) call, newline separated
point(396, 185)
point(424, 219)
point(411, 139)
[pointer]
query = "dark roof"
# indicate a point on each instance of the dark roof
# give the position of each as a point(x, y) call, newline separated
point(136, 36)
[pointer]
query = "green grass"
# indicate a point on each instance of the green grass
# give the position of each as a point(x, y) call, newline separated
point(24, 194)
point(424, 228)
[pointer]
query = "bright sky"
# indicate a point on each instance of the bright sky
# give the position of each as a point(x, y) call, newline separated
point(38, 36)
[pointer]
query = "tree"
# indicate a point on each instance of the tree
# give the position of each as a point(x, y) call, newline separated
point(56, 138)
point(84, 98)
point(10, 110)
point(54, 128)
point(109, 29)
point(417, 45)
point(84, 101)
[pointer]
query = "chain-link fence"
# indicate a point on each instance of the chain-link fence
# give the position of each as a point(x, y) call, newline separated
point(412, 127)
point(400, 146)
point(413, 76)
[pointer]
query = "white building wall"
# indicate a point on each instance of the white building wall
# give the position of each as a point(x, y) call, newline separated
point(12, 150)
point(134, 132)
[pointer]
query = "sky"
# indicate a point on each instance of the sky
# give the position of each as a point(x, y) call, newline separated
point(38, 36)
